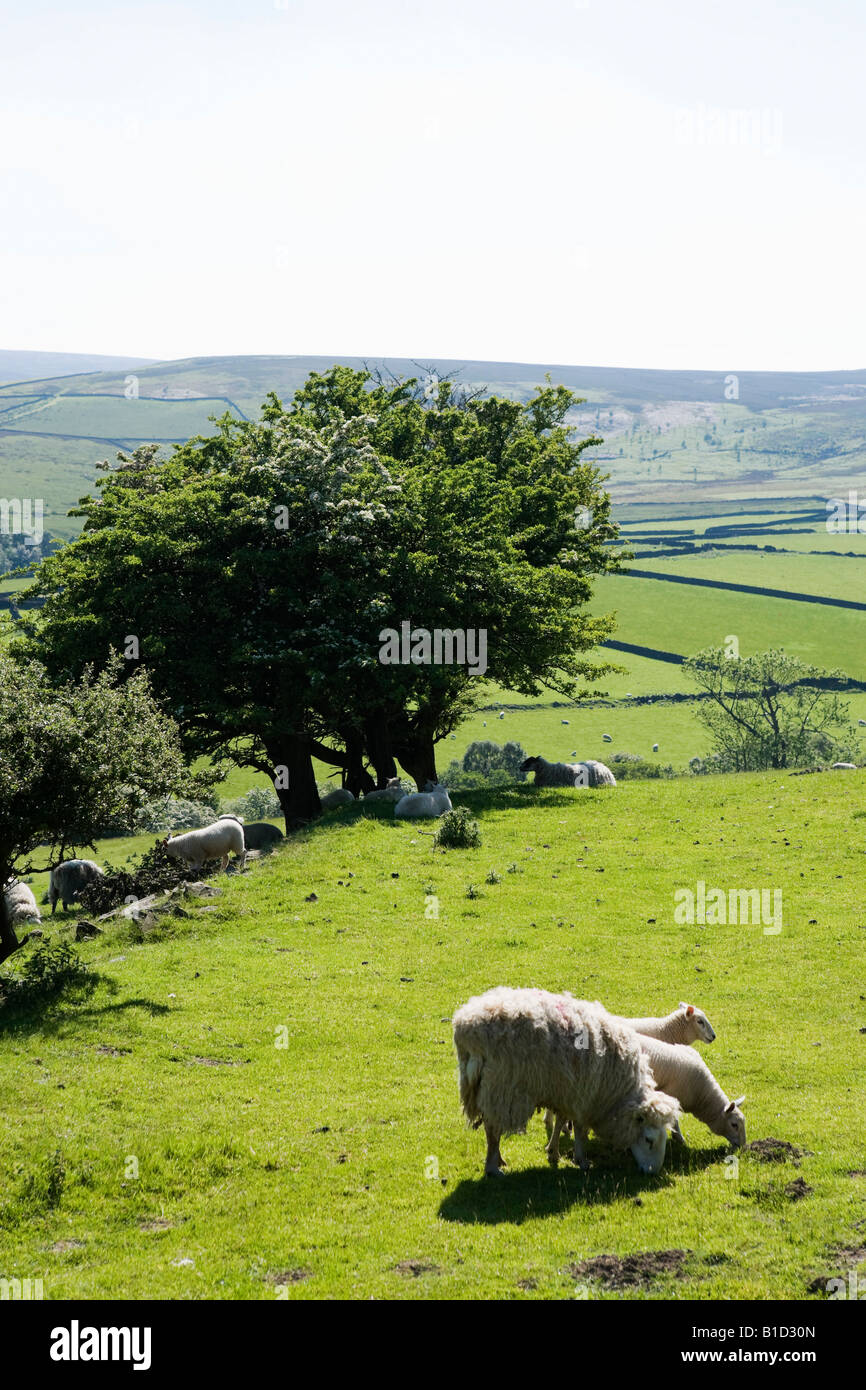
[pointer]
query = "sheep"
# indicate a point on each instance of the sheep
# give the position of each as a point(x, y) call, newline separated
point(340, 796)
point(519, 1050)
point(20, 904)
point(588, 774)
point(68, 881)
point(392, 791)
point(216, 841)
point(683, 1026)
point(682, 1072)
point(261, 835)
point(432, 802)
point(655, 748)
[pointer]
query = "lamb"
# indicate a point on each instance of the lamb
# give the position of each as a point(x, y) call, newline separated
point(20, 904)
point(432, 802)
point(682, 1072)
point(68, 881)
point(261, 835)
point(587, 774)
point(215, 841)
point(683, 1026)
point(392, 791)
point(522, 1049)
point(340, 796)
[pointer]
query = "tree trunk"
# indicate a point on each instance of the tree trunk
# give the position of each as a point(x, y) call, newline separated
point(417, 753)
point(293, 764)
point(8, 940)
point(356, 778)
point(377, 737)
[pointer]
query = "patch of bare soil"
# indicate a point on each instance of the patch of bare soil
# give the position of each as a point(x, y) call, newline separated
point(60, 1247)
point(289, 1276)
point(798, 1189)
point(415, 1267)
point(617, 1272)
point(776, 1151)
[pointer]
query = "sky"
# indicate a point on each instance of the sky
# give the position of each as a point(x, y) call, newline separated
point(598, 182)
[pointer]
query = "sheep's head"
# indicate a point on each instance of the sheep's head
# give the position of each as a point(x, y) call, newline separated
point(698, 1026)
point(642, 1126)
point(530, 765)
point(734, 1123)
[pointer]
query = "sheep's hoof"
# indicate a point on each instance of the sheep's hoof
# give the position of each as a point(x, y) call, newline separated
point(552, 1156)
point(493, 1173)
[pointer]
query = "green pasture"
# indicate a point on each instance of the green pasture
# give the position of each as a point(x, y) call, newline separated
point(831, 576)
point(259, 1100)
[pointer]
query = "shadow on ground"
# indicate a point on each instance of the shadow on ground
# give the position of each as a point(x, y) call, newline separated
point(530, 1193)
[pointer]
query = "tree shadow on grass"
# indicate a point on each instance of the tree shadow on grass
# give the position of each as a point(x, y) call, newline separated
point(52, 1016)
point(531, 1193)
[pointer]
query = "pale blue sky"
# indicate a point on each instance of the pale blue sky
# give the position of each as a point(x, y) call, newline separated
point(547, 181)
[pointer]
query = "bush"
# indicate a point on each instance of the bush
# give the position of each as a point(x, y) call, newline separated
point(487, 757)
point(259, 803)
point(457, 830)
point(154, 872)
point(170, 814)
point(632, 767)
point(51, 969)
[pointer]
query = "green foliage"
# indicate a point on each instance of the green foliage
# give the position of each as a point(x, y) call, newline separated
point(171, 814)
point(259, 803)
point(54, 968)
point(771, 710)
point(457, 830)
point(485, 757)
point(632, 767)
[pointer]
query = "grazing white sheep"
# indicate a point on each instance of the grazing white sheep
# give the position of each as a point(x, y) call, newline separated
point(392, 791)
point(20, 904)
point(848, 767)
point(427, 805)
point(68, 881)
point(655, 748)
point(588, 774)
point(682, 1072)
point(606, 738)
point(217, 841)
point(519, 1050)
point(683, 1026)
point(340, 796)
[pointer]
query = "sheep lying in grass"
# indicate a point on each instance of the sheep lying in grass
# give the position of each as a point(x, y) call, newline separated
point(588, 774)
point(261, 836)
point(392, 791)
point(20, 904)
point(340, 796)
point(519, 1050)
point(68, 881)
point(684, 1025)
point(217, 841)
point(427, 805)
point(683, 1073)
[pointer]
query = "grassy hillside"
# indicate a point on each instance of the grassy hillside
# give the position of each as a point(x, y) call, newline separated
point(157, 1142)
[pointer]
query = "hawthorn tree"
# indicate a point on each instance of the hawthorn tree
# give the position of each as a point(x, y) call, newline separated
point(254, 571)
point(771, 710)
point(73, 756)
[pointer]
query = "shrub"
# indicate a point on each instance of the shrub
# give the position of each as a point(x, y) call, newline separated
point(48, 972)
point(632, 767)
point(259, 803)
point(155, 871)
point(458, 830)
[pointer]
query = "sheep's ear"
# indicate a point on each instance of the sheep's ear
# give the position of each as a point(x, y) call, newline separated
point(683, 1005)
point(738, 1101)
point(690, 1008)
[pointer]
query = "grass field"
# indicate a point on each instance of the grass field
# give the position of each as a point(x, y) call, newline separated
point(157, 1141)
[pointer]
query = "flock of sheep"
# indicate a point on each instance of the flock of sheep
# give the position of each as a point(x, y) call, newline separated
point(628, 1079)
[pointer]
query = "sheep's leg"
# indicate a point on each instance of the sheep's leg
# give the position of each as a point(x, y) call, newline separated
point(578, 1156)
point(552, 1150)
point(548, 1123)
point(224, 863)
point(493, 1162)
